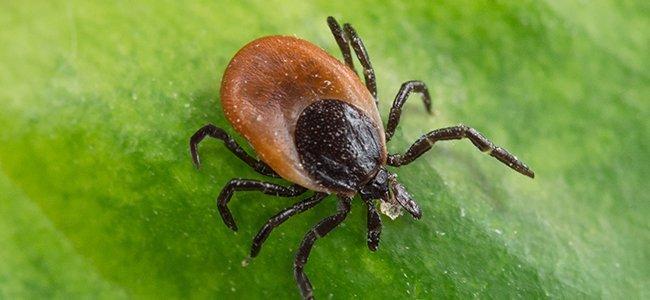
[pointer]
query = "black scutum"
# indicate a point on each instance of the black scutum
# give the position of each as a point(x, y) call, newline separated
point(338, 145)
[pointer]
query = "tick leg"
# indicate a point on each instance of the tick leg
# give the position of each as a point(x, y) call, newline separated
point(403, 94)
point(374, 225)
point(362, 55)
point(339, 36)
point(425, 142)
point(237, 185)
point(218, 133)
point(320, 230)
point(282, 216)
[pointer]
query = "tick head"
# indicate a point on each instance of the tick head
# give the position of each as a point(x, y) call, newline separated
point(392, 195)
point(376, 188)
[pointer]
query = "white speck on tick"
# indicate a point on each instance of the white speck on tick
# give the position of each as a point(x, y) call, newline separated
point(392, 210)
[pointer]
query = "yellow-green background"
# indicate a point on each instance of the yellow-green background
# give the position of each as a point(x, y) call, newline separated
point(98, 197)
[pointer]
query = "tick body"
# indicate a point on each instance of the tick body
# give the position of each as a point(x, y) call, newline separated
point(313, 122)
point(302, 111)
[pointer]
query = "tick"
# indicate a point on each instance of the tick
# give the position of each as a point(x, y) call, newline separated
point(313, 122)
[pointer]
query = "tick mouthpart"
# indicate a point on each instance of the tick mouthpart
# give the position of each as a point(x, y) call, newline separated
point(401, 196)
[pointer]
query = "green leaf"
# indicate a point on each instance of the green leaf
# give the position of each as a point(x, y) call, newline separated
point(98, 197)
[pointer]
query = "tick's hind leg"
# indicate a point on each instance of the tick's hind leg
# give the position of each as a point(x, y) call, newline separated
point(341, 40)
point(401, 97)
point(220, 134)
point(320, 230)
point(425, 142)
point(251, 185)
point(281, 217)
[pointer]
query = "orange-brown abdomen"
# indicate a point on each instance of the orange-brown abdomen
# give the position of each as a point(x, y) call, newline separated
point(271, 81)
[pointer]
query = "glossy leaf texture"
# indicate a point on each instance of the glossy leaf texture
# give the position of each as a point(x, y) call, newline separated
point(99, 198)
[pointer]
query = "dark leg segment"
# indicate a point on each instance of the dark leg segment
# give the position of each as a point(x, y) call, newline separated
point(423, 145)
point(374, 225)
point(320, 230)
point(343, 43)
point(251, 185)
point(401, 97)
point(362, 55)
point(281, 217)
point(218, 133)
